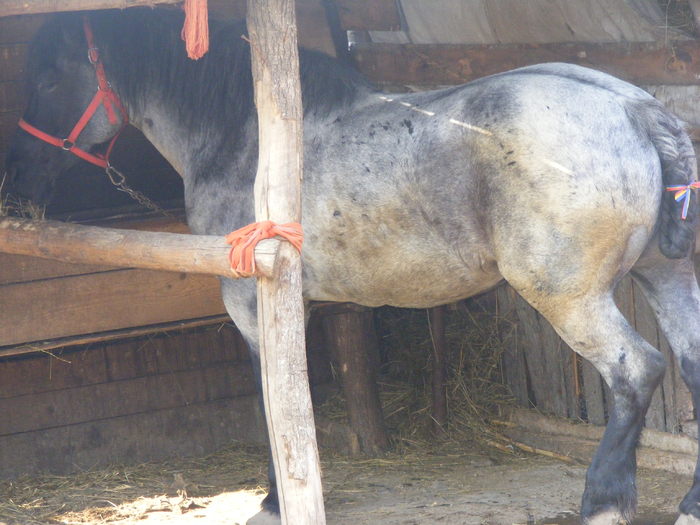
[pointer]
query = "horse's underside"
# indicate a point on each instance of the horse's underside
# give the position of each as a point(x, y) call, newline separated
point(550, 177)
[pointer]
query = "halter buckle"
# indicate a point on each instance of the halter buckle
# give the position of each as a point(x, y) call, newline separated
point(67, 145)
point(93, 54)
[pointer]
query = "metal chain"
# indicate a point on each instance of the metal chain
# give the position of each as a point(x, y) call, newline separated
point(118, 179)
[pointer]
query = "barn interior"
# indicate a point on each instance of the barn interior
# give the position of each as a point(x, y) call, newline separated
point(103, 366)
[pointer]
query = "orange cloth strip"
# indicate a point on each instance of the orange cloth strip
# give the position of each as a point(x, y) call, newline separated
point(195, 31)
point(244, 240)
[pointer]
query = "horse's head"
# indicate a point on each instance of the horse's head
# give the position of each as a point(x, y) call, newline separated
point(61, 83)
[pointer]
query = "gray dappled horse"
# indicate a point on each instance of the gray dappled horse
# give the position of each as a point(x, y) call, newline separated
point(550, 177)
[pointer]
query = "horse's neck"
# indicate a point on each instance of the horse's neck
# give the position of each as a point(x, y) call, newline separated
point(160, 127)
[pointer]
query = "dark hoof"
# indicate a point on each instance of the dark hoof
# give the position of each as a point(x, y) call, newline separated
point(265, 517)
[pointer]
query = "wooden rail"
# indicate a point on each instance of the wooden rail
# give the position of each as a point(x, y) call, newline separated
point(30, 7)
point(677, 63)
point(203, 254)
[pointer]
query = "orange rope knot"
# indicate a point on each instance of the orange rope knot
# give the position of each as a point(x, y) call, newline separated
point(244, 240)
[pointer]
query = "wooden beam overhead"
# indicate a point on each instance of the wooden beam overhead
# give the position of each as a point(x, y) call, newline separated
point(369, 15)
point(432, 65)
point(30, 7)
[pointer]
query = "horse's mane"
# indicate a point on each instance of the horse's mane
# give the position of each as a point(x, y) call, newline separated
point(141, 47)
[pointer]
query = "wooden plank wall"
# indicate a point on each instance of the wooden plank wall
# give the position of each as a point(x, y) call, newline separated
point(42, 299)
point(163, 395)
point(149, 398)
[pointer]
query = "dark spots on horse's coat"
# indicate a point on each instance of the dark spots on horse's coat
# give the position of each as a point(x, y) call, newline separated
point(337, 213)
point(512, 163)
point(367, 169)
point(622, 358)
point(148, 122)
point(337, 120)
point(408, 125)
point(386, 126)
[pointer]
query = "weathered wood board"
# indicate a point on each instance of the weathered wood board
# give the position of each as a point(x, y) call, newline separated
point(133, 400)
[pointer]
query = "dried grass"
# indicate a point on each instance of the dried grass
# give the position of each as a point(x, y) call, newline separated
point(18, 207)
point(679, 17)
point(475, 393)
point(113, 493)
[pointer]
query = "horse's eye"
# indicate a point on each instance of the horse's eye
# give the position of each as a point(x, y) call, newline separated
point(48, 81)
point(47, 87)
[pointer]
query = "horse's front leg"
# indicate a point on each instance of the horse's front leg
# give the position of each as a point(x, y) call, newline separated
point(240, 298)
point(672, 290)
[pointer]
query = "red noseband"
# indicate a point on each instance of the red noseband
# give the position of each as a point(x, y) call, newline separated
point(105, 96)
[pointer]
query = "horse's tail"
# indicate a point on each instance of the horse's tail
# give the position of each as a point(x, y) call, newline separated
point(678, 166)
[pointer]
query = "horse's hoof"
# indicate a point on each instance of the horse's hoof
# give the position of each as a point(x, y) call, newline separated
point(608, 517)
point(687, 519)
point(265, 517)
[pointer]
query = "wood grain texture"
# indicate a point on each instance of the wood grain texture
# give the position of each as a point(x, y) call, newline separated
point(105, 301)
point(290, 422)
point(515, 373)
point(194, 430)
point(354, 346)
point(24, 7)
point(377, 15)
point(204, 254)
point(432, 65)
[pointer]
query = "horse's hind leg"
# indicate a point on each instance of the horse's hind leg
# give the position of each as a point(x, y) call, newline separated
point(672, 290)
point(594, 327)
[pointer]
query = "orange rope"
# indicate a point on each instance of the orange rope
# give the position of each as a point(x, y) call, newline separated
point(244, 240)
point(195, 31)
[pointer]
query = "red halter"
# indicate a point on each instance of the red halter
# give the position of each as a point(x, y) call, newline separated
point(105, 96)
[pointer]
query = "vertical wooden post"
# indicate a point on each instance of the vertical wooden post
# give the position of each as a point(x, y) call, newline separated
point(275, 61)
point(437, 331)
point(349, 331)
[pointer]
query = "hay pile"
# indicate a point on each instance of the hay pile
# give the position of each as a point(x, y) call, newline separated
point(475, 391)
point(679, 16)
point(18, 207)
point(132, 492)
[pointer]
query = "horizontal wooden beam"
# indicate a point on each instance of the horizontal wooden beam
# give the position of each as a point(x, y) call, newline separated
point(175, 252)
point(28, 7)
point(433, 65)
point(46, 347)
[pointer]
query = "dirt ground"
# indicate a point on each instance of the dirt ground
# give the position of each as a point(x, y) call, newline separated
point(447, 485)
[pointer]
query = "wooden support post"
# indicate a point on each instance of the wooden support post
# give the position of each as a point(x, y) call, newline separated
point(175, 252)
point(437, 332)
point(349, 331)
point(275, 61)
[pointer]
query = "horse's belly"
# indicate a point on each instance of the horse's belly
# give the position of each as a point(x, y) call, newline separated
point(411, 278)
